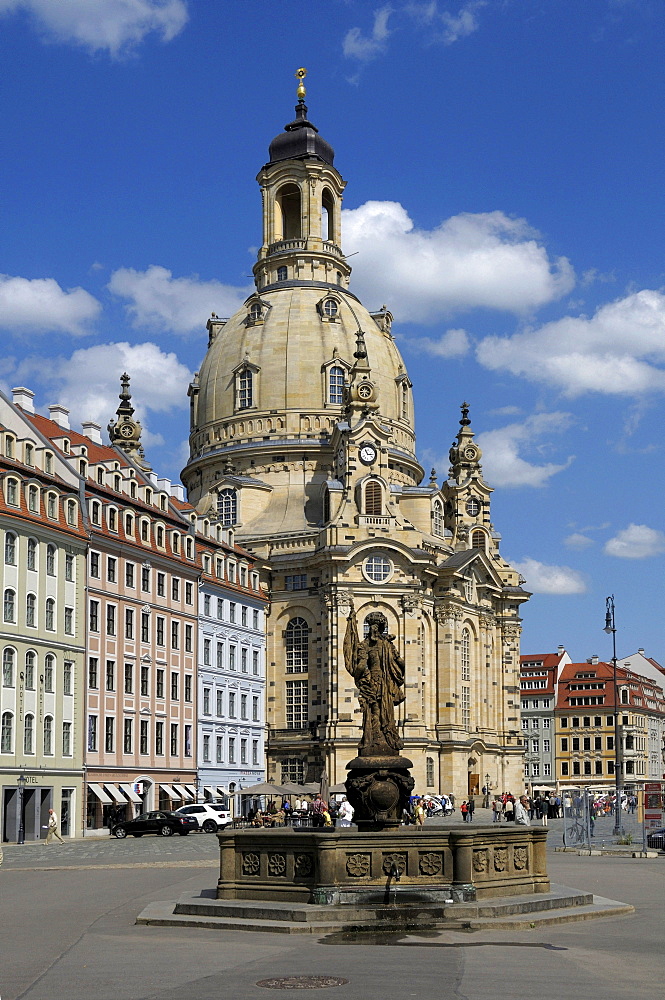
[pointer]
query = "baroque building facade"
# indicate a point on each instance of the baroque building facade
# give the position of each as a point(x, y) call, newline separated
point(303, 438)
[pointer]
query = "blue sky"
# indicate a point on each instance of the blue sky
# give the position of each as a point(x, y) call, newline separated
point(505, 200)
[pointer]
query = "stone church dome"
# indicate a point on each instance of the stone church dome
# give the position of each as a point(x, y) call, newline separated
point(279, 373)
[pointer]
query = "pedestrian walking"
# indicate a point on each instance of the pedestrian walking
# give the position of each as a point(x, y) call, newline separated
point(419, 814)
point(317, 810)
point(509, 808)
point(464, 809)
point(471, 805)
point(52, 830)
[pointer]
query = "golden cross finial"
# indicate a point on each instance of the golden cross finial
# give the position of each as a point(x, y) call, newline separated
point(300, 75)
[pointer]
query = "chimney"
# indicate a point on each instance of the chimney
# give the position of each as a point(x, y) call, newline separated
point(164, 485)
point(593, 659)
point(92, 430)
point(561, 650)
point(59, 414)
point(178, 492)
point(640, 651)
point(24, 398)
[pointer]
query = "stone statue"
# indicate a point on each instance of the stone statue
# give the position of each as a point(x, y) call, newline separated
point(378, 671)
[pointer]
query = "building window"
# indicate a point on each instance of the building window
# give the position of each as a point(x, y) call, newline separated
point(207, 646)
point(220, 654)
point(255, 661)
point(232, 611)
point(129, 678)
point(245, 380)
point(255, 751)
point(430, 772)
point(110, 675)
point(10, 549)
point(8, 661)
point(143, 738)
point(297, 703)
point(206, 701)
point(94, 565)
point(69, 568)
point(145, 579)
point(232, 657)
point(188, 741)
point(69, 621)
point(129, 623)
point(159, 739)
point(243, 613)
point(108, 734)
point(220, 703)
point(282, 273)
point(9, 606)
point(232, 705)
point(29, 734)
point(49, 620)
point(378, 568)
point(243, 751)
point(93, 671)
point(174, 685)
point(49, 672)
point(466, 708)
point(50, 560)
point(297, 646)
point(160, 631)
point(189, 593)
point(30, 663)
point(159, 683)
point(373, 498)
point(293, 770)
point(243, 706)
point(145, 680)
point(7, 735)
point(295, 581)
point(30, 610)
point(174, 739)
point(465, 648)
point(227, 507)
point(437, 518)
point(206, 748)
point(232, 750)
point(336, 385)
point(189, 638)
point(94, 616)
point(175, 589)
point(110, 619)
point(32, 554)
point(478, 540)
point(67, 677)
point(145, 628)
point(161, 584)
point(92, 733)
point(127, 736)
point(33, 501)
point(129, 524)
point(219, 750)
point(175, 635)
point(255, 708)
point(188, 687)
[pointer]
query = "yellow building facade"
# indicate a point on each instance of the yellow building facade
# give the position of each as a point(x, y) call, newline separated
point(303, 439)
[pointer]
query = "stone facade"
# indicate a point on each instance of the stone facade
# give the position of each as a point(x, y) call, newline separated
point(303, 438)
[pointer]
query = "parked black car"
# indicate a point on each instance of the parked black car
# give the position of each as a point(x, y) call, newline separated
point(656, 839)
point(162, 822)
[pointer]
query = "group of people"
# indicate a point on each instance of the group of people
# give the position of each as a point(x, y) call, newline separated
point(540, 807)
point(317, 811)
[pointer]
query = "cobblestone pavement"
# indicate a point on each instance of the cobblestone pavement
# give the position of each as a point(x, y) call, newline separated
point(196, 850)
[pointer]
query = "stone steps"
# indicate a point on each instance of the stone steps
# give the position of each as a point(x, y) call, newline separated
point(517, 913)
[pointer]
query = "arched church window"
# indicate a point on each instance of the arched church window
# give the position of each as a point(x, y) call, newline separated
point(330, 308)
point(288, 204)
point(336, 385)
point(245, 389)
point(227, 507)
point(437, 518)
point(282, 273)
point(327, 215)
point(339, 277)
point(255, 311)
point(478, 540)
point(465, 654)
point(297, 646)
point(326, 506)
point(373, 498)
point(430, 772)
point(405, 401)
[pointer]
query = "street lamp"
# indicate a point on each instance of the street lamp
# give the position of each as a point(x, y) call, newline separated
point(487, 793)
point(610, 629)
point(21, 780)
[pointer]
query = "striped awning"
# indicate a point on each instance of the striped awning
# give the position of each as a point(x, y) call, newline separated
point(115, 793)
point(131, 794)
point(192, 790)
point(172, 794)
point(101, 794)
point(211, 790)
point(184, 794)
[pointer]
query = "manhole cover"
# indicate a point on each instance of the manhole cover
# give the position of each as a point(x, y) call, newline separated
point(302, 982)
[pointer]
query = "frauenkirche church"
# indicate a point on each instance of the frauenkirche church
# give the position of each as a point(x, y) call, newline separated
point(303, 438)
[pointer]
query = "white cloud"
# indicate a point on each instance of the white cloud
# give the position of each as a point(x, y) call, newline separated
point(89, 381)
point(367, 47)
point(460, 25)
point(484, 260)
point(158, 301)
point(577, 541)
point(116, 26)
point(40, 305)
point(620, 350)
point(637, 541)
point(451, 344)
point(503, 465)
point(543, 579)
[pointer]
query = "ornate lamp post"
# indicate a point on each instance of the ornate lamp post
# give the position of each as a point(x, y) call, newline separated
point(610, 629)
point(488, 788)
point(21, 780)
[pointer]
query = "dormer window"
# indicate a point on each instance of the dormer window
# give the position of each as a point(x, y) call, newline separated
point(112, 518)
point(227, 507)
point(48, 463)
point(336, 383)
point(245, 388)
point(129, 524)
point(175, 542)
point(148, 495)
point(255, 312)
point(29, 454)
point(162, 502)
point(52, 506)
point(330, 308)
point(132, 490)
point(83, 468)
point(100, 476)
point(95, 512)
point(9, 446)
point(117, 483)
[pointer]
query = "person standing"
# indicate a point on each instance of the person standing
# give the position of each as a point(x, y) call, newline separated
point(496, 810)
point(52, 830)
point(522, 811)
point(419, 813)
point(464, 809)
point(509, 808)
point(318, 808)
point(345, 813)
point(471, 805)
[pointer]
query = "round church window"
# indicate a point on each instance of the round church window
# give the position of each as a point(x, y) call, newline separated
point(378, 568)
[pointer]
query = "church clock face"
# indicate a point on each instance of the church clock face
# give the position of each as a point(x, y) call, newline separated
point(127, 430)
point(367, 453)
point(365, 391)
